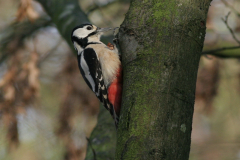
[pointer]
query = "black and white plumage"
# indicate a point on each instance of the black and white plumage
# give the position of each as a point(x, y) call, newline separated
point(97, 63)
point(90, 68)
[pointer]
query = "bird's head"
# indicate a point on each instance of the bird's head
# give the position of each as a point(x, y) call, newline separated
point(86, 33)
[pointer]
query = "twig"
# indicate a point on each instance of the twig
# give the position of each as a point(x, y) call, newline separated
point(214, 51)
point(229, 28)
point(45, 55)
point(90, 145)
point(231, 7)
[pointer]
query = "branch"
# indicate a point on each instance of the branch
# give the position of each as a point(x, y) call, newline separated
point(65, 15)
point(214, 51)
point(12, 37)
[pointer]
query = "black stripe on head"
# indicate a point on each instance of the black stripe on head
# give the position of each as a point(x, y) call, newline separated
point(82, 42)
point(91, 34)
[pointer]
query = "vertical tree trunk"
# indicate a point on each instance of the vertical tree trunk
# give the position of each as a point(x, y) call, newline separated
point(161, 43)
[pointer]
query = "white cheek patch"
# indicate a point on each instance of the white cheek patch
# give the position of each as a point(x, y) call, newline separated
point(81, 32)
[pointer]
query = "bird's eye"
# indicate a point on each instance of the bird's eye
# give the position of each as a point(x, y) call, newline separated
point(89, 28)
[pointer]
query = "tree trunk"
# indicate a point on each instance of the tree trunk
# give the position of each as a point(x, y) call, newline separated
point(161, 43)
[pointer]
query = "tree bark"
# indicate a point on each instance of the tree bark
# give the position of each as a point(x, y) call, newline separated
point(161, 43)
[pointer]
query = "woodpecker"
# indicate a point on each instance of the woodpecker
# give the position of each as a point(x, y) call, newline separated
point(100, 66)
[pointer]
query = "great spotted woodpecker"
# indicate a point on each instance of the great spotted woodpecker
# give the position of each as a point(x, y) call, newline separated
point(100, 66)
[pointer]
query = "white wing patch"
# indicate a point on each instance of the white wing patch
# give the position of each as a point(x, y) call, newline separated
point(104, 96)
point(87, 72)
point(103, 87)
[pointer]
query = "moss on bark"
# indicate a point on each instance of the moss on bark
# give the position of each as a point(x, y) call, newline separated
point(161, 43)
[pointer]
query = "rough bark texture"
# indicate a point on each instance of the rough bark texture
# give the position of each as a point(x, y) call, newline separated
point(161, 43)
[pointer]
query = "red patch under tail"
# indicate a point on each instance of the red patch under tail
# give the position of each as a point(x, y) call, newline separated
point(115, 92)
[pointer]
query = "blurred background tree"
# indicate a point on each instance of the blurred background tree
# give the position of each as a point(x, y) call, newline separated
point(46, 109)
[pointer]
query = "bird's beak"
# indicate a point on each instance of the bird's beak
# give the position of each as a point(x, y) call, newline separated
point(103, 29)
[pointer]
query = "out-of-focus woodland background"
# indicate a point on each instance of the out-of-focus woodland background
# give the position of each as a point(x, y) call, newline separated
point(46, 109)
